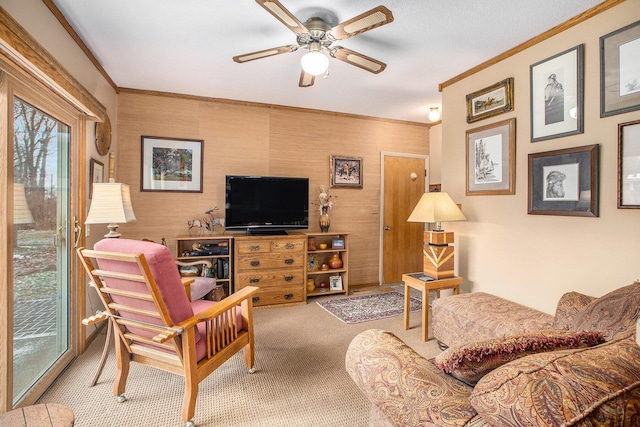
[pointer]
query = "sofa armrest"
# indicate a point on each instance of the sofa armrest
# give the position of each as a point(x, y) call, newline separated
point(402, 385)
point(568, 306)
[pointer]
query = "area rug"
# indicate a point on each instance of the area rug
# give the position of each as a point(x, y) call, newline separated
point(368, 307)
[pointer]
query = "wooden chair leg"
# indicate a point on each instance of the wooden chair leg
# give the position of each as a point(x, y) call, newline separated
point(190, 375)
point(122, 369)
point(105, 353)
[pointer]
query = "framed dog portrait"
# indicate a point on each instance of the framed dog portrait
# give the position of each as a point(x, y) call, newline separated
point(564, 182)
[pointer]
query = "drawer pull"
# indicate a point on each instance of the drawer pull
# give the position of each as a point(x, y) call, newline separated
point(255, 299)
point(254, 248)
point(288, 261)
point(254, 280)
point(288, 296)
point(288, 278)
point(289, 246)
point(255, 263)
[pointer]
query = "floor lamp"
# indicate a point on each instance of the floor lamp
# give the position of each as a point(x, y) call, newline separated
point(111, 204)
point(437, 207)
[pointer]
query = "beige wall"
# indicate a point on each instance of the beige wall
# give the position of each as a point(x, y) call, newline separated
point(533, 259)
point(257, 140)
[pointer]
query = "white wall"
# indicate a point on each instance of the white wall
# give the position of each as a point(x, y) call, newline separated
point(534, 259)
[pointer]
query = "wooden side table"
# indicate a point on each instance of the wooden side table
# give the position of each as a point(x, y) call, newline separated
point(425, 287)
point(43, 415)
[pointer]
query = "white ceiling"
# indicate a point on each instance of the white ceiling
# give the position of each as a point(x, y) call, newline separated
point(186, 46)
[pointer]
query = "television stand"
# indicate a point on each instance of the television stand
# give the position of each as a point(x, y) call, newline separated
point(266, 232)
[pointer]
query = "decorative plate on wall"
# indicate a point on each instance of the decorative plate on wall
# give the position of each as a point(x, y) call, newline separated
point(103, 136)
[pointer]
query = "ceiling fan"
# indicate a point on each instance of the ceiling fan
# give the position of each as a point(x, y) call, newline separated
point(317, 36)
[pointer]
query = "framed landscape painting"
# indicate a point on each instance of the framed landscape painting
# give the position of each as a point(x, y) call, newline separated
point(564, 182)
point(171, 164)
point(490, 101)
point(557, 95)
point(491, 159)
point(620, 71)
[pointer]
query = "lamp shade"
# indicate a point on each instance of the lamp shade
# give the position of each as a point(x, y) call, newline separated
point(111, 203)
point(21, 211)
point(315, 63)
point(436, 207)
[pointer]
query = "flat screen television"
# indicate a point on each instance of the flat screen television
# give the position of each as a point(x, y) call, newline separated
point(266, 204)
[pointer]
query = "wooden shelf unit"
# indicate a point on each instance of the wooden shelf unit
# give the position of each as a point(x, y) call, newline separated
point(184, 249)
point(322, 256)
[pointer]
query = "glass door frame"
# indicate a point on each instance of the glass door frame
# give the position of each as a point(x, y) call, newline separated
point(15, 82)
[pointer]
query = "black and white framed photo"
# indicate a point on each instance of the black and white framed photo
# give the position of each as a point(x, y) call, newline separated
point(620, 71)
point(171, 164)
point(564, 182)
point(490, 101)
point(335, 283)
point(491, 159)
point(557, 95)
point(629, 165)
point(346, 171)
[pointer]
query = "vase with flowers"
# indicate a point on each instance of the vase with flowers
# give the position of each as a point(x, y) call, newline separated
point(326, 203)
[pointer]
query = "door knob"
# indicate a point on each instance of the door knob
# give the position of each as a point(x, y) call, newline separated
point(387, 228)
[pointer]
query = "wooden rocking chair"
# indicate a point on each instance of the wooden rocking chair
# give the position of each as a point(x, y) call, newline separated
point(156, 325)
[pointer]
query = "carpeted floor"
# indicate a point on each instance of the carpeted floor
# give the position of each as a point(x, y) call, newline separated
point(301, 379)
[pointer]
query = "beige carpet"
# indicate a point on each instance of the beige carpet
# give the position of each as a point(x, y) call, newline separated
point(301, 379)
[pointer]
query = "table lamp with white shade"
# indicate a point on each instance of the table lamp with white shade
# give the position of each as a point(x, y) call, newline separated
point(437, 207)
point(111, 204)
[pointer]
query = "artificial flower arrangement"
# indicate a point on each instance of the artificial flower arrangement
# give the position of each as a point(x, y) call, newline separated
point(326, 199)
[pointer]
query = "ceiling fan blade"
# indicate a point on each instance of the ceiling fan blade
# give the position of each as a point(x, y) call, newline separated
point(359, 60)
point(264, 53)
point(306, 79)
point(374, 18)
point(275, 8)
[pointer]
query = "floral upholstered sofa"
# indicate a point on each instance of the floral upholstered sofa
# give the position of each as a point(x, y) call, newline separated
point(580, 369)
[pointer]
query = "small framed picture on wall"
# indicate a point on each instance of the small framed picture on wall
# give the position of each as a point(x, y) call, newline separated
point(346, 171)
point(96, 171)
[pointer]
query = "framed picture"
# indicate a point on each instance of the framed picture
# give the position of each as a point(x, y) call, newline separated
point(337, 244)
point(620, 71)
point(335, 283)
point(346, 171)
point(490, 101)
point(491, 159)
point(557, 95)
point(564, 182)
point(171, 164)
point(96, 171)
point(629, 165)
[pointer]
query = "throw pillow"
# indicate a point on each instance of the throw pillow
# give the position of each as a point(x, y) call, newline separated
point(569, 305)
point(612, 313)
point(470, 362)
point(582, 387)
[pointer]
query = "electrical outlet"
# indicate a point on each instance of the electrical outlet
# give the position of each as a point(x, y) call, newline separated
point(375, 209)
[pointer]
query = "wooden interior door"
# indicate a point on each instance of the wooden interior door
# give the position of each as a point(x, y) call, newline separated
point(402, 240)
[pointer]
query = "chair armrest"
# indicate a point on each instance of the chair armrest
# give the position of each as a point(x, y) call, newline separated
point(186, 282)
point(190, 263)
point(220, 307)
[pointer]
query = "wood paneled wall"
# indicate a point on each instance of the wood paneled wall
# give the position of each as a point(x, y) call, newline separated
point(248, 139)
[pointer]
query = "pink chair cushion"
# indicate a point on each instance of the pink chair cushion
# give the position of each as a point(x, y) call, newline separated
point(164, 271)
point(200, 305)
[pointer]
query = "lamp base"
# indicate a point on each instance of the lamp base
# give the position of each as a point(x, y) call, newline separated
point(438, 261)
point(113, 231)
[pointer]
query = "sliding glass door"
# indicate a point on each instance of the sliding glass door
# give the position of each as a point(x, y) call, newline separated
point(41, 248)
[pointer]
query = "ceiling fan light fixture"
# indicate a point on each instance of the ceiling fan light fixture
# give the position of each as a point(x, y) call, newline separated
point(434, 114)
point(315, 63)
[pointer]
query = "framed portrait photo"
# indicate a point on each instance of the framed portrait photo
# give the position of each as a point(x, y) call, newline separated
point(620, 71)
point(335, 283)
point(96, 171)
point(629, 165)
point(171, 164)
point(564, 182)
point(346, 171)
point(490, 101)
point(491, 159)
point(557, 95)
